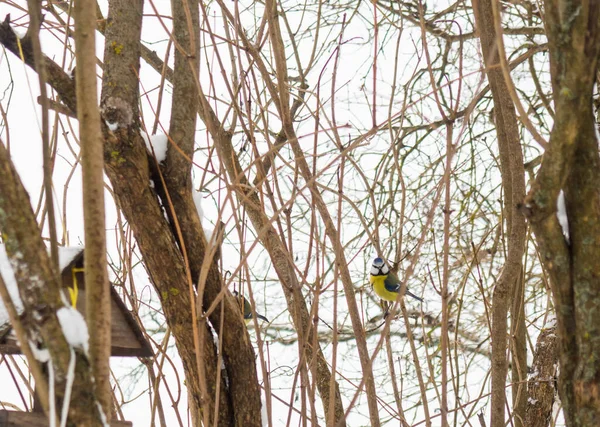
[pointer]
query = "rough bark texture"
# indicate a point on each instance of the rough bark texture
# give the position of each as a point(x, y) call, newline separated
point(127, 168)
point(244, 396)
point(126, 164)
point(571, 163)
point(513, 184)
point(92, 163)
point(182, 126)
point(541, 387)
point(40, 292)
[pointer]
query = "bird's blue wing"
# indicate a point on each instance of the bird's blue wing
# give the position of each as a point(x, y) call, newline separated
point(392, 285)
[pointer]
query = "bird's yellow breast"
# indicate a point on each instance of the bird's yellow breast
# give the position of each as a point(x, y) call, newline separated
point(378, 283)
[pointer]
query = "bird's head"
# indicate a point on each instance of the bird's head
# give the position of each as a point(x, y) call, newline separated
point(379, 268)
point(244, 305)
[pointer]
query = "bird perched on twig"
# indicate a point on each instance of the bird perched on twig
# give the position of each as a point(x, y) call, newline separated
point(247, 309)
point(386, 284)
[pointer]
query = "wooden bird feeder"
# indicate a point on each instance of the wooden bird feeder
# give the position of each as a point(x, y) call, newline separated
point(126, 335)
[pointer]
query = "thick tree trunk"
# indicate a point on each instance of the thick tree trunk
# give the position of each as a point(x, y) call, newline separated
point(41, 299)
point(541, 386)
point(571, 163)
point(126, 164)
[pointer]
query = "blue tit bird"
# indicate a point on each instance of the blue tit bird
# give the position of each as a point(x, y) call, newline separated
point(386, 284)
point(247, 309)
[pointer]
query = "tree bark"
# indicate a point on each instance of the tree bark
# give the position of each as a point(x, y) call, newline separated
point(126, 165)
point(541, 386)
point(513, 185)
point(92, 164)
point(40, 293)
point(128, 169)
point(571, 164)
point(518, 347)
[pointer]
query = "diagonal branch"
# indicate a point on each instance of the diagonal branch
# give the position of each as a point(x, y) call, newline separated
point(128, 170)
point(40, 293)
point(55, 75)
point(279, 254)
point(331, 231)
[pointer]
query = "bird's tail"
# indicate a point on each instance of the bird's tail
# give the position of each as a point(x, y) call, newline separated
point(407, 292)
point(261, 317)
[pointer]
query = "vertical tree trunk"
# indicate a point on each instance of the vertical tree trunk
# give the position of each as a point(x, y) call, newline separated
point(513, 185)
point(541, 387)
point(571, 163)
point(518, 347)
point(92, 162)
